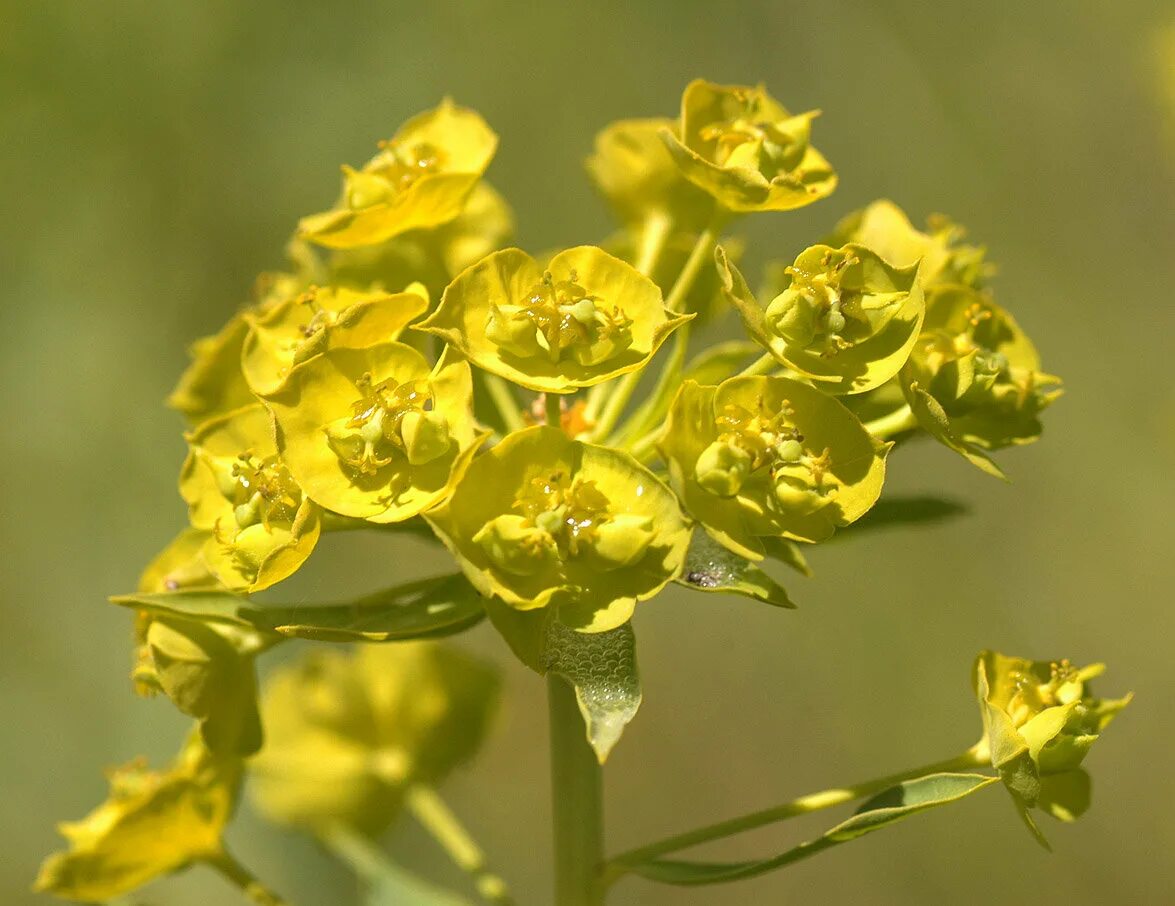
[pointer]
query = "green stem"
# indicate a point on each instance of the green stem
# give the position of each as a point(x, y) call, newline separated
point(654, 235)
point(504, 400)
point(237, 874)
point(765, 364)
point(576, 801)
point(702, 251)
point(438, 819)
point(813, 802)
point(895, 423)
point(553, 410)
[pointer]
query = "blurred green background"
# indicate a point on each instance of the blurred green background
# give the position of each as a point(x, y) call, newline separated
point(154, 156)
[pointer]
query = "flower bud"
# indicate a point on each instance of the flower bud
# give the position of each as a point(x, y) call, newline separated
point(722, 468)
point(515, 546)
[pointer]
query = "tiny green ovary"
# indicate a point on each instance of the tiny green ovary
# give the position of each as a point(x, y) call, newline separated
point(560, 519)
point(556, 318)
point(760, 444)
point(389, 421)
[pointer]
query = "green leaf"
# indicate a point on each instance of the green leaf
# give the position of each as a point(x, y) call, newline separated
point(602, 667)
point(896, 512)
point(711, 567)
point(787, 552)
point(427, 608)
point(884, 809)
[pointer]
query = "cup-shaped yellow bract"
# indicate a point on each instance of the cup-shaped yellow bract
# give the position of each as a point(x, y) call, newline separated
point(322, 318)
point(640, 179)
point(974, 377)
point(886, 229)
point(237, 488)
point(152, 824)
point(845, 317)
point(1040, 718)
point(769, 457)
point(347, 733)
point(741, 146)
point(375, 433)
point(434, 256)
point(420, 178)
point(541, 520)
point(585, 318)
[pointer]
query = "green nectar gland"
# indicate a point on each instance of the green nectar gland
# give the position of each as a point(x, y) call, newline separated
point(558, 318)
point(759, 444)
point(390, 420)
point(561, 519)
point(752, 140)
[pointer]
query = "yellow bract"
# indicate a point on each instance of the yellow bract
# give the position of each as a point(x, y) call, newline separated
point(318, 319)
point(237, 488)
point(346, 733)
point(845, 317)
point(420, 178)
point(769, 457)
point(153, 823)
point(741, 146)
point(375, 433)
point(542, 520)
point(583, 319)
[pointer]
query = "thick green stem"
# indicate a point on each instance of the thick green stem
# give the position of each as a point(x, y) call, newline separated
point(553, 410)
point(813, 802)
point(504, 400)
point(576, 802)
point(436, 817)
point(236, 873)
point(895, 423)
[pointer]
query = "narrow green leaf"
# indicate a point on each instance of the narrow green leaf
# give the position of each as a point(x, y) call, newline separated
point(711, 567)
point(426, 609)
point(430, 607)
point(602, 667)
point(884, 809)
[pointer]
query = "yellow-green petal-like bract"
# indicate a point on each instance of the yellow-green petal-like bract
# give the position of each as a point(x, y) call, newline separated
point(262, 527)
point(741, 146)
point(420, 178)
point(585, 318)
point(541, 520)
point(348, 732)
point(153, 823)
point(375, 433)
point(845, 317)
point(759, 457)
point(319, 319)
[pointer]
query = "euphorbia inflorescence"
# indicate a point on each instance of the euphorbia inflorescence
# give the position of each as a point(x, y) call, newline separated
point(541, 417)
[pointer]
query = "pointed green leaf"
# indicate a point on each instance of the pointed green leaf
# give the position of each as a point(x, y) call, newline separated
point(711, 567)
point(427, 608)
point(886, 808)
point(602, 667)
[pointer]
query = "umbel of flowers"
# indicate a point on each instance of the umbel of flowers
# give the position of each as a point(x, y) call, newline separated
point(559, 425)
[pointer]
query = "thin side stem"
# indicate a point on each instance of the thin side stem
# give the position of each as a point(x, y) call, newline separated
point(504, 400)
point(765, 364)
point(812, 802)
point(438, 819)
point(655, 234)
point(896, 422)
point(698, 256)
point(237, 874)
point(576, 802)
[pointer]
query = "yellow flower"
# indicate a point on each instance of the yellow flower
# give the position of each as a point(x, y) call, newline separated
point(420, 178)
point(541, 520)
point(585, 318)
point(373, 433)
point(742, 147)
point(769, 457)
point(319, 319)
point(433, 256)
point(347, 733)
point(237, 488)
point(638, 176)
point(845, 317)
point(153, 823)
